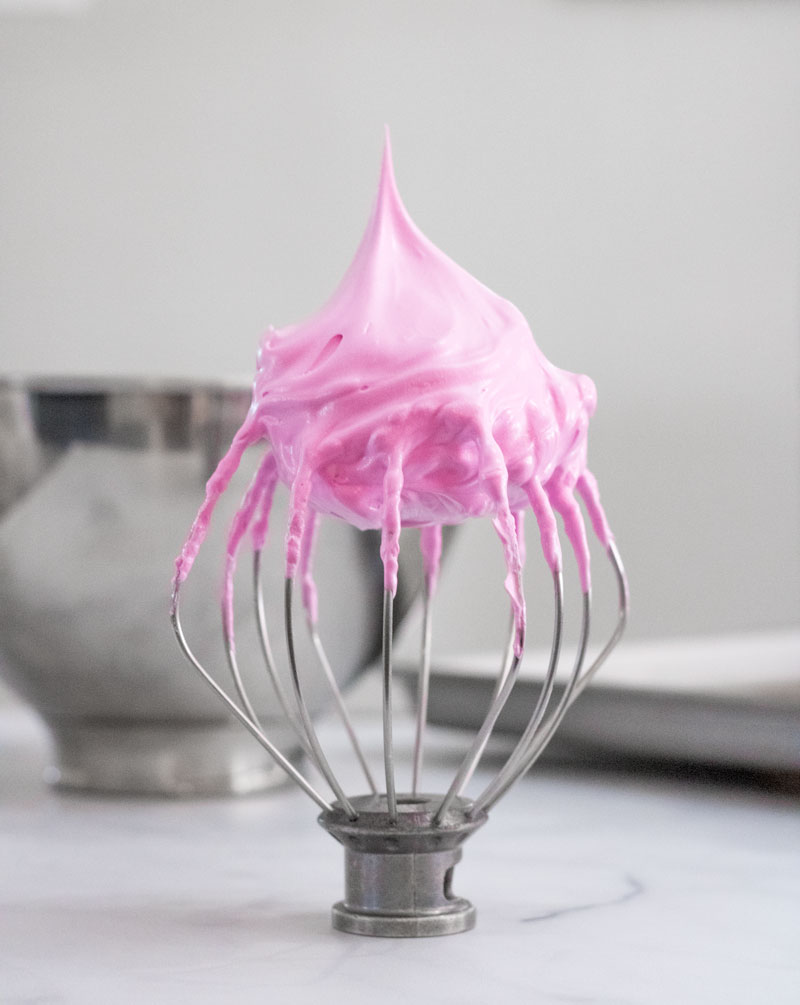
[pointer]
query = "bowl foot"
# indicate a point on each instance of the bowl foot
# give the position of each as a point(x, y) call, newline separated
point(146, 759)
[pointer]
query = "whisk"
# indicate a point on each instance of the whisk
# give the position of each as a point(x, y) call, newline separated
point(415, 398)
point(401, 848)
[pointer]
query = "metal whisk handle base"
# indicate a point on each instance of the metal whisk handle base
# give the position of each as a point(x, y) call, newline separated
point(399, 875)
point(459, 917)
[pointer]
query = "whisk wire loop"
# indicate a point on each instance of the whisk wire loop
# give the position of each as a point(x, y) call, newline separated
point(311, 734)
point(388, 834)
point(243, 718)
point(238, 683)
point(341, 707)
point(517, 764)
point(487, 799)
point(619, 628)
point(269, 658)
point(388, 743)
point(470, 762)
point(423, 687)
point(508, 658)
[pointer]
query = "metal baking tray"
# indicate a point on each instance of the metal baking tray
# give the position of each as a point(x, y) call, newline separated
point(731, 701)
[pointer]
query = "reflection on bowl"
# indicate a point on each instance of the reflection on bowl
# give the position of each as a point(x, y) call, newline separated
point(99, 483)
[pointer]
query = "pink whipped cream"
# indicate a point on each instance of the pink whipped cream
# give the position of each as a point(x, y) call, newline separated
point(416, 397)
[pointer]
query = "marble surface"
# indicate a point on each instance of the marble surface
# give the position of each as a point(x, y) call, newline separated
point(592, 886)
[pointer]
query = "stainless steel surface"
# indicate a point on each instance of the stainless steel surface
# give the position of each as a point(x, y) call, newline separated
point(399, 867)
point(98, 483)
point(400, 850)
point(175, 759)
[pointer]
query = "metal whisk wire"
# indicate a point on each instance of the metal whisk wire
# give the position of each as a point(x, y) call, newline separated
point(269, 659)
point(243, 717)
point(535, 737)
point(401, 849)
point(530, 747)
point(311, 734)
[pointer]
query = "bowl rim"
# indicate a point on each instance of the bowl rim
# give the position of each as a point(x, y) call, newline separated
point(83, 384)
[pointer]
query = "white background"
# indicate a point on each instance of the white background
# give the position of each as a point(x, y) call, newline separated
point(176, 175)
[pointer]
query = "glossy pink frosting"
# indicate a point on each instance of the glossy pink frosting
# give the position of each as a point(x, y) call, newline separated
point(416, 397)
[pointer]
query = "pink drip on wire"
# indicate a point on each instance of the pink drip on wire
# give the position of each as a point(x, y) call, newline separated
point(559, 491)
point(215, 486)
point(243, 518)
point(430, 542)
point(309, 587)
point(546, 520)
point(261, 522)
point(390, 530)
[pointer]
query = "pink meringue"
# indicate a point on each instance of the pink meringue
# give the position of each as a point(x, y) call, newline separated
point(416, 397)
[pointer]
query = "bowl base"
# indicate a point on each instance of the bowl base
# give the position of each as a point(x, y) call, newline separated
point(146, 759)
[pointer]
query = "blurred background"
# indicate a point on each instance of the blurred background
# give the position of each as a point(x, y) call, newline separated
point(176, 176)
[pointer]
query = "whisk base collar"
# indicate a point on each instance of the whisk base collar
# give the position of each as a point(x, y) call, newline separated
point(399, 873)
point(460, 917)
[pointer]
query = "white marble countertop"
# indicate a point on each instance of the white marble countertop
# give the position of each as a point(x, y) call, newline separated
point(591, 887)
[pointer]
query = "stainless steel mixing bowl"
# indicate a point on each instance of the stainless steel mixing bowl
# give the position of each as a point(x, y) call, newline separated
point(99, 483)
